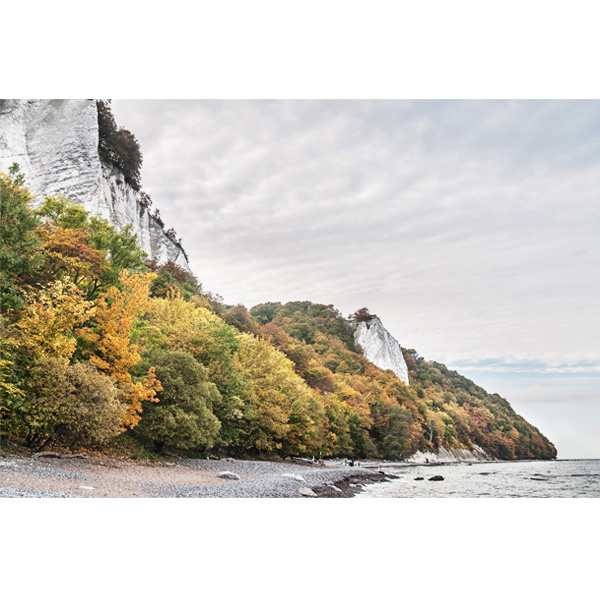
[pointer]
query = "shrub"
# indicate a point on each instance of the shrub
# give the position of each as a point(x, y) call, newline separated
point(70, 404)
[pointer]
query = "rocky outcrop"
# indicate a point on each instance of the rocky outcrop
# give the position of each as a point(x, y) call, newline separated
point(55, 143)
point(379, 346)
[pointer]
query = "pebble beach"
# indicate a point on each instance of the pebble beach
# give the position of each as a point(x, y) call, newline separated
point(93, 477)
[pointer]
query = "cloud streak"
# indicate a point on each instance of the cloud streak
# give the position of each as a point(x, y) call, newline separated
point(475, 221)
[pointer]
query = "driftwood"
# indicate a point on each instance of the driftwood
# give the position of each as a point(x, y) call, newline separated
point(57, 455)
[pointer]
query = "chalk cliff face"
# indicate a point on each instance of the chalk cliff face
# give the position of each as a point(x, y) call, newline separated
point(380, 347)
point(449, 455)
point(55, 143)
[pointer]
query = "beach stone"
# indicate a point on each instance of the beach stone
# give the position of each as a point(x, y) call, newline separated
point(419, 478)
point(436, 478)
point(294, 476)
point(335, 488)
point(229, 475)
point(306, 492)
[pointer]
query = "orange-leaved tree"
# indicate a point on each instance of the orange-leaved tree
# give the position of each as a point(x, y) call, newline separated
point(67, 252)
point(112, 348)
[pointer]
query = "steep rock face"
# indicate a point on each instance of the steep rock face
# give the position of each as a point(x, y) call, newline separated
point(379, 346)
point(446, 455)
point(55, 143)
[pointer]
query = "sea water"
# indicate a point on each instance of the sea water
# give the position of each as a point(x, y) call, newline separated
point(522, 479)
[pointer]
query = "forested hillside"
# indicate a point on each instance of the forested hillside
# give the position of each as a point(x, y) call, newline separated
point(100, 345)
point(390, 419)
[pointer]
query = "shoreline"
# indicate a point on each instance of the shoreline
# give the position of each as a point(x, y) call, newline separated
point(84, 476)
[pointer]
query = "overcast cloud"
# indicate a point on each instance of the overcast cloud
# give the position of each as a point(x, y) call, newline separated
point(470, 228)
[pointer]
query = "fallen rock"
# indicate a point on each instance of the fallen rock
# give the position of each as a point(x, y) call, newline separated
point(436, 478)
point(228, 475)
point(334, 488)
point(419, 478)
point(306, 492)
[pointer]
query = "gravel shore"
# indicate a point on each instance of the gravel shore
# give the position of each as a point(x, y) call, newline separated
point(49, 477)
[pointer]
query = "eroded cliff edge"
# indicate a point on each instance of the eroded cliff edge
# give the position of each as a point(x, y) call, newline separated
point(380, 346)
point(55, 143)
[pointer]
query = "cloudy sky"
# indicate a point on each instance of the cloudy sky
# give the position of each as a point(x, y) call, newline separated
point(471, 228)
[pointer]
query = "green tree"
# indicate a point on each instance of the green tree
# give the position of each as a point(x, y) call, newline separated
point(239, 317)
point(19, 258)
point(173, 277)
point(397, 441)
point(171, 323)
point(269, 389)
point(118, 146)
point(183, 417)
point(307, 425)
point(122, 249)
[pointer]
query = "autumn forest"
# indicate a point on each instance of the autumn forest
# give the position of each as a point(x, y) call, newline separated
point(104, 349)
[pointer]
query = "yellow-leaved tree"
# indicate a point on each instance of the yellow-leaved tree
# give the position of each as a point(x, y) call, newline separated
point(48, 323)
point(270, 384)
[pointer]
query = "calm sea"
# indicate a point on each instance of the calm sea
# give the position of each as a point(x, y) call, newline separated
point(536, 479)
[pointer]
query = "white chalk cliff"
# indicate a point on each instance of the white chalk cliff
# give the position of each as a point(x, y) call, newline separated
point(379, 346)
point(451, 455)
point(55, 143)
